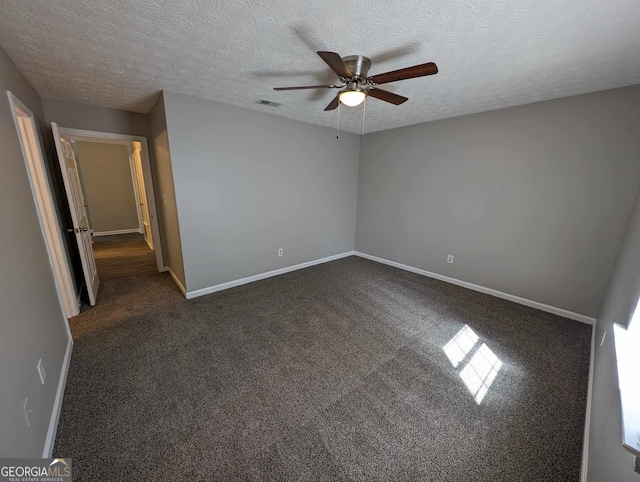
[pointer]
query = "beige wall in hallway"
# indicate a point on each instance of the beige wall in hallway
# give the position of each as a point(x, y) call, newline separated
point(106, 176)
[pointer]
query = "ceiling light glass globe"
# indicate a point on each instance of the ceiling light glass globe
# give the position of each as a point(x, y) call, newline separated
point(352, 97)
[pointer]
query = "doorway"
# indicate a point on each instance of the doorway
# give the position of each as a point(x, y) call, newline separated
point(107, 179)
point(112, 180)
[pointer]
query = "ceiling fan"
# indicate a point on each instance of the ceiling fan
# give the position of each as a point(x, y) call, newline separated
point(353, 71)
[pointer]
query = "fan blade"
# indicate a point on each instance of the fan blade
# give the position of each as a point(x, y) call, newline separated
point(403, 74)
point(334, 61)
point(306, 87)
point(333, 105)
point(387, 96)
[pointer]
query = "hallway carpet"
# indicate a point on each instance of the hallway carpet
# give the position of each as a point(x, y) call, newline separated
point(334, 372)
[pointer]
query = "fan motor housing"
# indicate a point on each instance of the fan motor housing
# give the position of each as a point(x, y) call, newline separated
point(358, 65)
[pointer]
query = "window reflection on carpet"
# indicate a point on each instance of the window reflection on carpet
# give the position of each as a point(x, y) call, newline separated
point(460, 345)
point(481, 370)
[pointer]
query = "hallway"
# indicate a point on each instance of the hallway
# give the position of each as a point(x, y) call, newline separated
point(123, 255)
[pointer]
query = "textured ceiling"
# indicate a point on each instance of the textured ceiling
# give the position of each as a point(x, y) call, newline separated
point(491, 53)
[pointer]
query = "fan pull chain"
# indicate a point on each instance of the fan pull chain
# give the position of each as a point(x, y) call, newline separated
point(338, 135)
point(364, 111)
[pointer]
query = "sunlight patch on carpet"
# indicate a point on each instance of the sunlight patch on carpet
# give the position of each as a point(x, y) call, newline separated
point(483, 367)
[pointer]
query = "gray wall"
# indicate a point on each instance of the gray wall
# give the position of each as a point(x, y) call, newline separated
point(531, 200)
point(165, 190)
point(249, 183)
point(93, 118)
point(32, 324)
point(106, 177)
point(608, 460)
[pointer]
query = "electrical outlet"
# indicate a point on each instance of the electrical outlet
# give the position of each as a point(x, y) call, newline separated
point(41, 371)
point(26, 412)
point(450, 259)
point(281, 252)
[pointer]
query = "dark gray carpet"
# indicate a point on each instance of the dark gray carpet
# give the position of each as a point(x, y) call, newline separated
point(335, 372)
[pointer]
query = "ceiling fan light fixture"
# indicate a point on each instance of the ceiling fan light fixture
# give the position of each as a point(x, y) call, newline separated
point(353, 72)
point(352, 98)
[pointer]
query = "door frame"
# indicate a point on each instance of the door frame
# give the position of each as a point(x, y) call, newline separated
point(136, 191)
point(136, 195)
point(136, 177)
point(45, 207)
point(77, 134)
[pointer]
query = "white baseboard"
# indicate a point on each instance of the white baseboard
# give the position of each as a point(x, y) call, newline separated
point(587, 421)
point(57, 404)
point(177, 281)
point(498, 294)
point(268, 274)
point(118, 231)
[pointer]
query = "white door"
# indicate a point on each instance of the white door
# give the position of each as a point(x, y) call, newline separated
point(78, 210)
point(136, 161)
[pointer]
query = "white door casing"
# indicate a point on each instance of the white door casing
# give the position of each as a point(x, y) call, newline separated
point(136, 163)
point(69, 169)
point(45, 207)
point(136, 193)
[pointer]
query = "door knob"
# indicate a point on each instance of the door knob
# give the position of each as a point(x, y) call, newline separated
point(84, 229)
point(70, 230)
